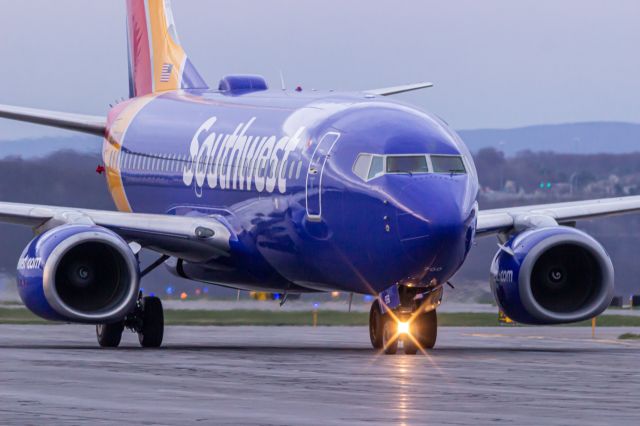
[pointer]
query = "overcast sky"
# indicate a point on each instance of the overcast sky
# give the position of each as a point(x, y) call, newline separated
point(495, 63)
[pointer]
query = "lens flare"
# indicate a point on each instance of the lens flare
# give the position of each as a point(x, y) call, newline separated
point(403, 327)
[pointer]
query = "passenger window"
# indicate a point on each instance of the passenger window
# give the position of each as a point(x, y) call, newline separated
point(377, 166)
point(361, 166)
point(452, 164)
point(407, 164)
point(299, 169)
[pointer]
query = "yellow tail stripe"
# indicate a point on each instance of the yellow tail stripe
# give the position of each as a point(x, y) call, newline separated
point(166, 51)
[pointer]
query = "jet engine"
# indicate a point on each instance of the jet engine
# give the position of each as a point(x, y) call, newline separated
point(552, 275)
point(79, 273)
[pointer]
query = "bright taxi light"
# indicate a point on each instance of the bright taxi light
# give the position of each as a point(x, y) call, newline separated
point(403, 327)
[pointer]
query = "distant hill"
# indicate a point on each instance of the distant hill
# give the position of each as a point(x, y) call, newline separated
point(42, 147)
point(574, 138)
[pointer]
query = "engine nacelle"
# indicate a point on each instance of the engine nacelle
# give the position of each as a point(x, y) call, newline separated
point(552, 275)
point(79, 273)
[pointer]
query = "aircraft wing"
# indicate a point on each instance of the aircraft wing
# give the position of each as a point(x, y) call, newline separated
point(506, 219)
point(395, 90)
point(77, 122)
point(195, 238)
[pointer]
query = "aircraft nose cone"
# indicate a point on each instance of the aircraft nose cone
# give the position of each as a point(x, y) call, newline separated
point(431, 223)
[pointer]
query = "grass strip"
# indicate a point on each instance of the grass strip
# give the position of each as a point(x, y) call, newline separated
point(301, 318)
point(629, 336)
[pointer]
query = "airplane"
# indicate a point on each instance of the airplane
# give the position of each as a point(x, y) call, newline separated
point(290, 191)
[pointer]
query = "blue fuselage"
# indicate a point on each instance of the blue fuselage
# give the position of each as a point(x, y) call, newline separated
point(278, 169)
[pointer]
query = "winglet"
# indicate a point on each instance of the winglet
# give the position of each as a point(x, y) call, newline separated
point(388, 91)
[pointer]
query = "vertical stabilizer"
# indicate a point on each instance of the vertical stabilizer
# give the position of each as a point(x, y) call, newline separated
point(157, 61)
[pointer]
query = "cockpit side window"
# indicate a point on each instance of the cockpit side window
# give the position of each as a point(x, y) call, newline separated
point(451, 164)
point(407, 164)
point(361, 166)
point(377, 166)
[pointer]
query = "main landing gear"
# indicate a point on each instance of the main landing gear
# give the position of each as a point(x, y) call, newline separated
point(413, 323)
point(147, 320)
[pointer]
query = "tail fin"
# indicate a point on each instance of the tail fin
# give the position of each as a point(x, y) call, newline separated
point(157, 61)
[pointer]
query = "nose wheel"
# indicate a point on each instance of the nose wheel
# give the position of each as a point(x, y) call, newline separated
point(376, 325)
point(421, 333)
point(390, 338)
point(426, 329)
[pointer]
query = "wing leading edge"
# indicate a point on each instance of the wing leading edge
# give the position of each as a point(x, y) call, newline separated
point(77, 122)
point(501, 220)
point(395, 90)
point(194, 238)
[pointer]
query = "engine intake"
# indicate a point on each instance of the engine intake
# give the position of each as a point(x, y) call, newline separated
point(551, 276)
point(79, 273)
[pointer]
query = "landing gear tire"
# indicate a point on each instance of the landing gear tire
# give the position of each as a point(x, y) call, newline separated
point(409, 346)
point(390, 338)
point(426, 329)
point(109, 335)
point(151, 332)
point(376, 325)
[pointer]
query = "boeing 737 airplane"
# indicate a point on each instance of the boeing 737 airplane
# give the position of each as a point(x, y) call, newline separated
point(290, 192)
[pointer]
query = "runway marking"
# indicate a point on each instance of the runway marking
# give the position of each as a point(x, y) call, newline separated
point(560, 339)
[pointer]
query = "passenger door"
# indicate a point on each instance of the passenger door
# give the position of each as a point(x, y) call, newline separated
point(314, 175)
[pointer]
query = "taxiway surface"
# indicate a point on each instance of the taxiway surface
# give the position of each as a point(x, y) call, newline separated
point(319, 376)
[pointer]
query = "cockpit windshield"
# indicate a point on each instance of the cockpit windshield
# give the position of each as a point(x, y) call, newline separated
point(448, 164)
point(371, 166)
point(407, 164)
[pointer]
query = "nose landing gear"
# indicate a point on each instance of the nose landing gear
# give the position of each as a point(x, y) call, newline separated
point(414, 323)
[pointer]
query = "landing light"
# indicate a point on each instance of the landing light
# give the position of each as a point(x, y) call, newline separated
point(403, 327)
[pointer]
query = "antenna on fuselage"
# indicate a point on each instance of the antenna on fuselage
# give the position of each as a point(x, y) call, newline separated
point(282, 84)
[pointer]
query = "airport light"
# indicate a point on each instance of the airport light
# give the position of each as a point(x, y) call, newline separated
point(314, 314)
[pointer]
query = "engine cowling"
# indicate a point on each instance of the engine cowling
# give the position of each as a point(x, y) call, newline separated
point(552, 275)
point(79, 273)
